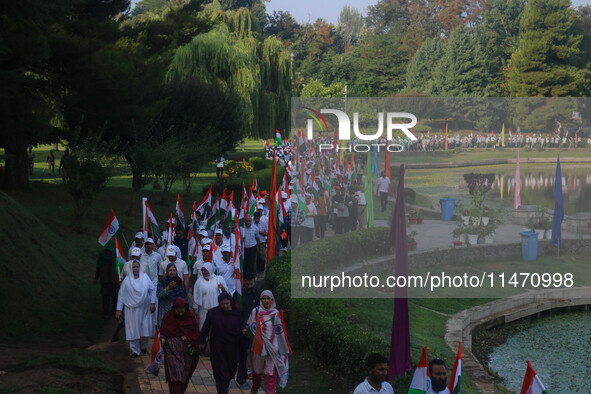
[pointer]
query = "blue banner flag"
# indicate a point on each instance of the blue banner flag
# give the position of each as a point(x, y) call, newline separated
point(558, 207)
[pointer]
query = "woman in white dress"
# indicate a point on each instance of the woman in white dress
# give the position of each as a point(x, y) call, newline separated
point(138, 295)
point(206, 291)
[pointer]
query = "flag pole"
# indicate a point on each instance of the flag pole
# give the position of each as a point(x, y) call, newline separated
point(144, 228)
point(126, 244)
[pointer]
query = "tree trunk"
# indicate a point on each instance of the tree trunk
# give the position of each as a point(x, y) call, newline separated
point(16, 171)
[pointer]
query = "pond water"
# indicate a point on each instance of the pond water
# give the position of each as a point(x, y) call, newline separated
point(557, 347)
point(537, 185)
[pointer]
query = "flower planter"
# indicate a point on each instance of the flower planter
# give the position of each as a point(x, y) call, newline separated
point(472, 239)
point(413, 220)
point(485, 220)
point(540, 233)
point(489, 239)
point(412, 245)
point(458, 243)
point(419, 220)
point(466, 220)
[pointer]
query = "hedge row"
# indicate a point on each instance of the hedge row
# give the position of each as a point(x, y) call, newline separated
point(327, 254)
point(323, 325)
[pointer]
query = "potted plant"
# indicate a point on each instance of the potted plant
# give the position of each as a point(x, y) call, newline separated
point(410, 240)
point(473, 232)
point(487, 232)
point(459, 234)
point(419, 216)
point(413, 216)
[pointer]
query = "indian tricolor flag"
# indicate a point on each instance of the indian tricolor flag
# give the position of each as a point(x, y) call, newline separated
point(151, 223)
point(120, 258)
point(109, 230)
point(456, 374)
point(421, 382)
point(180, 217)
point(531, 382)
point(278, 137)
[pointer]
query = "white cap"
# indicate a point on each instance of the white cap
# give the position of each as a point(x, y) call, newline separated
point(219, 231)
point(203, 233)
point(206, 241)
point(226, 248)
point(294, 199)
point(171, 251)
point(136, 252)
point(139, 235)
point(283, 195)
point(149, 241)
point(206, 247)
point(308, 195)
point(260, 206)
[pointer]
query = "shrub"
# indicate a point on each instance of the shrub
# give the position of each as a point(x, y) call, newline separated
point(258, 163)
point(457, 149)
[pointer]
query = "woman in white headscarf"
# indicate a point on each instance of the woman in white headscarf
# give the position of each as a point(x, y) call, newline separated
point(206, 291)
point(270, 346)
point(138, 295)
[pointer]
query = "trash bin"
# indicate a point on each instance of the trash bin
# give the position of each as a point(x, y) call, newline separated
point(529, 245)
point(447, 208)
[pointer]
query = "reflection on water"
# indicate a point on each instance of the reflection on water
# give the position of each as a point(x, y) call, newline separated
point(562, 361)
point(537, 188)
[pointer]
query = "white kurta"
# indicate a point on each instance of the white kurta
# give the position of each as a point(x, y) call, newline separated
point(226, 271)
point(138, 318)
point(205, 295)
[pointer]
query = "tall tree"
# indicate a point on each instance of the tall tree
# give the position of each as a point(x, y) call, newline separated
point(349, 26)
point(420, 72)
point(545, 61)
point(461, 71)
point(33, 35)
point(497, 36)
point(259, 74)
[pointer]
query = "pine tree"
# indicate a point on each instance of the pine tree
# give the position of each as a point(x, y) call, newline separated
point(461, 71)
point(544, 63)
point(420, 71)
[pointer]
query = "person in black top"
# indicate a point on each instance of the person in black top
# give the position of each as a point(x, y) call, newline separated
point(250, 300)
point(181, 241)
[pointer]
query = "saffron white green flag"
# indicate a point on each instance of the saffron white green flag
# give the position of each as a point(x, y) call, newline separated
point(109, 230)
point(531, 382)
point(456, 374)
point(421, 382)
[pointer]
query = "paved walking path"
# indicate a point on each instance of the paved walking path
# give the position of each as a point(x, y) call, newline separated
point(201, 382)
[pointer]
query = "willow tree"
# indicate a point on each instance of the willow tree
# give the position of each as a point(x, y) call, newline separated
point(257, 72)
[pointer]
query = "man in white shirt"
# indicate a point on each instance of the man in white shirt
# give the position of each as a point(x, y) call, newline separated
point(220, 166)
point(225, 268)
point(361, 204)
point(383, 186)
point(438, 375)
point(151, 259)
point(138, 242)
point(307, 228)
point(377, 366)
